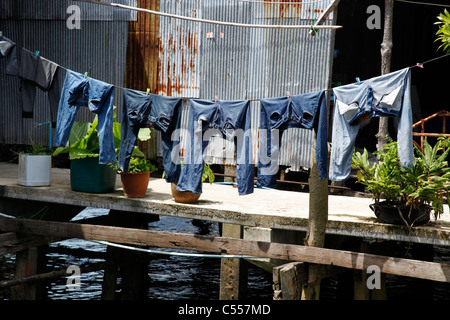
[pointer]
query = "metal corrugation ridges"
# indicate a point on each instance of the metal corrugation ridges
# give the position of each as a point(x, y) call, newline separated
point(99, 48)
point(251, 63)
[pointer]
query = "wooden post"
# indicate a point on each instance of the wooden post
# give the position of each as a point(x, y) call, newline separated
point(318, 217)
point(288, 280)
point(27, 264)
point(386, 54)
point(233, 271)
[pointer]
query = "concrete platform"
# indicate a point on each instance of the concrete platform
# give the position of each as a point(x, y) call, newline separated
point(265, 208)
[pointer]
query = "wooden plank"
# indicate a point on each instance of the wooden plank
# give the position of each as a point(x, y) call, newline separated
point(11, 242)
point(342, 258)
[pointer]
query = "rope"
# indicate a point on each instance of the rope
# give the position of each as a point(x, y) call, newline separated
point(425, 3)
point(230, 24)
point(171, 253)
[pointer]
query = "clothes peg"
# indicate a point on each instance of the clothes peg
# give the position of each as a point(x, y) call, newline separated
point(420, 65)
point(358, 81)
point(216, 98)
point(85, 75)
point(148, 91)
point(37, 53)
point(288, 94)
point(1, 33)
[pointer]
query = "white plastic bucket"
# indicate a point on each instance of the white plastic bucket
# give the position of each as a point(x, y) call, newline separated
point(35, 170)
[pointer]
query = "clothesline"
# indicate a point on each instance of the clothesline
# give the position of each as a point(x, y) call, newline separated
point(230, 24)
point(420, 65)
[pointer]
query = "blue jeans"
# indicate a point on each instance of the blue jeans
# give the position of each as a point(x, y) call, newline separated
point(384, 96)
point(232, 120)
point(307, 111)
point(163, 114)
point(98, 96)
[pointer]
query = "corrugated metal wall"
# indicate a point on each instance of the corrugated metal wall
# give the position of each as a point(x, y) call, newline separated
point(99, 47)
point(203, 60)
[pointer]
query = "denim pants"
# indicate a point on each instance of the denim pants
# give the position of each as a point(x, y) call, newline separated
point(232, 120)
point(38, 72)
point(163, 114)
point(307, 111)
point(8, 50)
point(98, 96)
point(383, 96)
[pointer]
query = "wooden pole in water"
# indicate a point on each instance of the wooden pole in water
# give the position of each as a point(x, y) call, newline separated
point(318, 217)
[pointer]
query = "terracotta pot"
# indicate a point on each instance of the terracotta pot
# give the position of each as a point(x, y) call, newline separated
point(184, 196)
point(135, 184)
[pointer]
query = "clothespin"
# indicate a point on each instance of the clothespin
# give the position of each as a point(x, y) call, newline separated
point(216, 98)
point(148, 91)
point(85, 75)
point(420, 65)
point(358, 81)
point(1, 33)
point(288, 94)
point(37, 53)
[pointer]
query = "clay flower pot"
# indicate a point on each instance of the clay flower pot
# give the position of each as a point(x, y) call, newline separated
point(184, 196)
point(135, 184)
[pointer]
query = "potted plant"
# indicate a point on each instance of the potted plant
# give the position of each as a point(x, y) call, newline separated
point(188, 196)
point(135, 181)
point(35, 166)
point(406, 195)
point(86, 174)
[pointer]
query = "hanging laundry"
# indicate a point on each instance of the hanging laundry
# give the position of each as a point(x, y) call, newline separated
point(8, 50)
point(232, 120)
point(36, 71)
point(383, 96)
point(308, 111)
point(80, 91)
point(163, 114)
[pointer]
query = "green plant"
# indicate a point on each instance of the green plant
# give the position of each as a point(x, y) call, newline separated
point(84, 140)
point(140, 164)
point(36, 149)
point(207, 173)
point(444, 31)
point(423, 184)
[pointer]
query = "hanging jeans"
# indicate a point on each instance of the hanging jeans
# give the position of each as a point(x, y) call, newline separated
point(38, 72)
point(307, 111)
point(163, 114)
point(98, 96)
point(232, 120)
point(8, 50)
point(384, 96)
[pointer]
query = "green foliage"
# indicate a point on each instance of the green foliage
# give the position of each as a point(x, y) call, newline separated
point(139, 164)
point(424, 183)
point(84, 140)
point(208, 174)
point(38, 150)
point(444, 31)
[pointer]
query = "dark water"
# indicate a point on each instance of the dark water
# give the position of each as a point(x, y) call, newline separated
point(169, 277)
point(178, 277)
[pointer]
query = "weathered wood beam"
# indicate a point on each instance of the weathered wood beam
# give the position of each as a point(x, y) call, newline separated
point(341, 258)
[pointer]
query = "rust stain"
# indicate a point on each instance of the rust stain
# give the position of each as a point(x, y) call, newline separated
point(177, 61)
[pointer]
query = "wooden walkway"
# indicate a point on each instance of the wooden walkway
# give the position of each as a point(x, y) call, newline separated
point(266, 209)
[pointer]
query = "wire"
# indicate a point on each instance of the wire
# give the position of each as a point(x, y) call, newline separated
point(425, 3)
point(270, 2)
point(230, 24)
point(171, 253)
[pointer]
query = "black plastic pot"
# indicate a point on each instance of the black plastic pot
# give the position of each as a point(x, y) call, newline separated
point(392, 214)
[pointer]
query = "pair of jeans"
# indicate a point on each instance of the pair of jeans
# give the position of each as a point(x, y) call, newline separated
point(80, 91)
point(36, 71)
point(308, 111)
point(8, 50)
point(230, 119)
point(140, 110)
point(383, 96)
